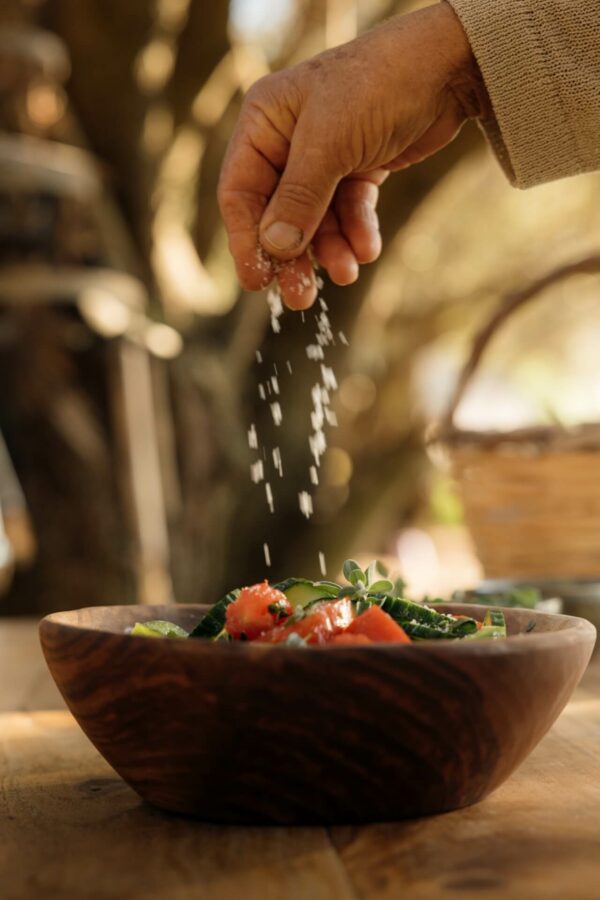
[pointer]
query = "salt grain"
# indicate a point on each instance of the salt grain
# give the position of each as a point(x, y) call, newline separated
point(276, 413)
point(269, 494)
point(322, 565)
point(277, 461)
point(267, 553)
point(306, 504)
point(261, 392)
point(252, 438)
point(343, 338)
point(314, 475)
point(289, 366)
point(275, 384)
point(257, 471)
point(259, 356)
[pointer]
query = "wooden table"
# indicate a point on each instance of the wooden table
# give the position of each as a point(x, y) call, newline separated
point(70, 829)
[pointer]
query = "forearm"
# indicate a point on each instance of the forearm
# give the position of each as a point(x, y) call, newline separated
point(541, 65)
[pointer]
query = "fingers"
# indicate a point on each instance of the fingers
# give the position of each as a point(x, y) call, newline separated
point(333, 252)
point(303, 194)
point(248, 178)
point(297, 283)
point(355, 206)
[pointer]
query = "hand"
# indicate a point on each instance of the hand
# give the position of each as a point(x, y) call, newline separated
point(314, 143)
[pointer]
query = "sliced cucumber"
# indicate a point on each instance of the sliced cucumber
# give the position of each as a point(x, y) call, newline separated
point(213, 623)
point(301, 592)
point(493, 629)
point(158, 628)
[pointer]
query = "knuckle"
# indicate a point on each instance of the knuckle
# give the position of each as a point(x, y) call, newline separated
point(298, 195)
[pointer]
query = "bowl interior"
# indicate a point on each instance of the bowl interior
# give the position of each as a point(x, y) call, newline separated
point(523, 624)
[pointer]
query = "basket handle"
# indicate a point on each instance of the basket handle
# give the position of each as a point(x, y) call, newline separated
point(589, 265)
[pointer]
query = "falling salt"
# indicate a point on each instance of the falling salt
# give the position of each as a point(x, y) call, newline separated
point(267, 553)
point(277, 461)
point(322, 565)
point(315, 352)
point(252, 438)
point(257, 471)
point(276, 413)
point(314, 475)
point(276, 308)
point(259, 356)
point(329, 379)
point(306, 504)
point(269, 494)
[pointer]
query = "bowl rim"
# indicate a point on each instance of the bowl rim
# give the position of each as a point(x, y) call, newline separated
point(578, 630)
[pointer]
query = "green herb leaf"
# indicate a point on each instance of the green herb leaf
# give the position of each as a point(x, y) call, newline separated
point(381, 587)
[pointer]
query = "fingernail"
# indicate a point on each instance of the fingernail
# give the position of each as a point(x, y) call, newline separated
point(282, 236)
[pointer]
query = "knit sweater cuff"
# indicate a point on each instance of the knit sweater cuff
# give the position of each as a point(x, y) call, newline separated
point(536, 127)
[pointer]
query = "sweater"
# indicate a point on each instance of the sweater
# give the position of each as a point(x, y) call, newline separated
point(540, 61)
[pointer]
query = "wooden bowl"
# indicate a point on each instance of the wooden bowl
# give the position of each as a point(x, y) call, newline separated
point(244, 733)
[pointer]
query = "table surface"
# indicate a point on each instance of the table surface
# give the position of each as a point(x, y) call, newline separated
point(71, 829)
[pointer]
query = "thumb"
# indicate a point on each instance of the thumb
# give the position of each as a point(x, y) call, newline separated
point(301, 198)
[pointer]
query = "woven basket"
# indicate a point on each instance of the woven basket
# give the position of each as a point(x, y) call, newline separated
point(532, 496)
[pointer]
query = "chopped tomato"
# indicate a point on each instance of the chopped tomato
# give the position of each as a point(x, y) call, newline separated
point(378, 626)
point(256, 609)
point(317, 627)
point(345, 639)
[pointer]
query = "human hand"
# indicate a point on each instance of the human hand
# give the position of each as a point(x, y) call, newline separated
point(314, 143)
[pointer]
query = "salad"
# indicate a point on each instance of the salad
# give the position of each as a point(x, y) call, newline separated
point(368, 609)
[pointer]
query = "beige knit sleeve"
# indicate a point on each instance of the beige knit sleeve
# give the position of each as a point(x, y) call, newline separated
point(540, 60)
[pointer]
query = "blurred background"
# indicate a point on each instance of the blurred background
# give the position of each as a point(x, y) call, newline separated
point(128, 369)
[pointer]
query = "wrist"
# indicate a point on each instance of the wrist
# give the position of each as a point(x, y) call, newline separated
point(463, 78)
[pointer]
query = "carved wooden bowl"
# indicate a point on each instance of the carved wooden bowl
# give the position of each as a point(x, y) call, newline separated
point(244, 733)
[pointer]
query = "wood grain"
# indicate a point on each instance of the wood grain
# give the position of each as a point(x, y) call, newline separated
point(258, 734)
point(71, 829)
